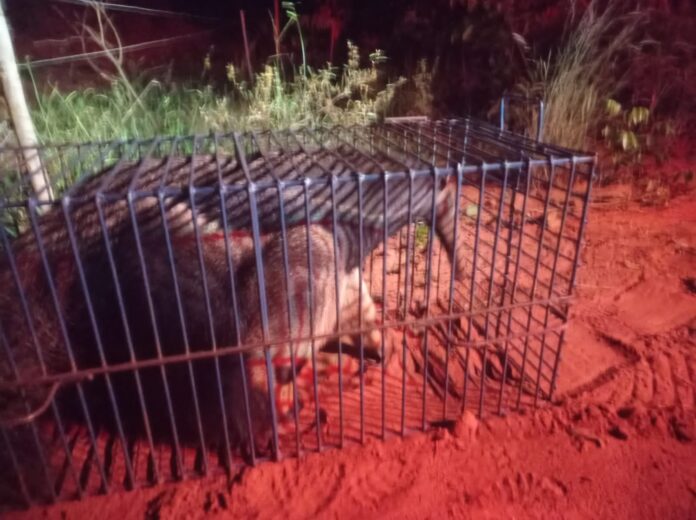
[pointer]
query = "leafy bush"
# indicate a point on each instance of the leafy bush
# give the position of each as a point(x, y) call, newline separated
point(625, 132)
point(631, 133)
point(313, 98)
point(663, 76)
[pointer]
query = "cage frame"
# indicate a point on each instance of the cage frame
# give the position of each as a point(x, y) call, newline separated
point(474, 161)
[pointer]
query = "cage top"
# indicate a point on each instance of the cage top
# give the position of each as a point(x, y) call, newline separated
point(266, 158)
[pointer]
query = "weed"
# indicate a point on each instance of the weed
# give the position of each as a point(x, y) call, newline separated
point(114, 113)
point(575, 79)
point(625, 132)
point(293, 21)
point(421, 236)
point(140, 109)
point(314, 98)
point(632, 133)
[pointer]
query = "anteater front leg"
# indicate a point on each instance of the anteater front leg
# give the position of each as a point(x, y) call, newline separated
point(356, 302)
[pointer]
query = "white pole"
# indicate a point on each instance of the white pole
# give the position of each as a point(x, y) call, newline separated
point(21, 120)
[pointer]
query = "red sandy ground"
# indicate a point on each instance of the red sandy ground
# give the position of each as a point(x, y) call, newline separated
point(619, 442)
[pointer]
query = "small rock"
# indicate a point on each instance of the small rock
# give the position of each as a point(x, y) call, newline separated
point(553, 221)
point(467, 427)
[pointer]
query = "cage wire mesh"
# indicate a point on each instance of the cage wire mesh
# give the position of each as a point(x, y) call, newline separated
point(184, 306)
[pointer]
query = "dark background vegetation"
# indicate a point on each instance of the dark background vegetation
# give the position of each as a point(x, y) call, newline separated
point(470, 45)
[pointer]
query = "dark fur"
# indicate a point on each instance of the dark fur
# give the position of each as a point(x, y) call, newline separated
point(208, 375)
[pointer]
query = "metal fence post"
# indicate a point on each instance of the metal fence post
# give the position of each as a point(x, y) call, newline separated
point(21, 119)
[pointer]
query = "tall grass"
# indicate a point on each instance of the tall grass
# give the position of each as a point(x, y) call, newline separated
point(276, 99)
point(576, 79)
point(114, 113)
point(126, 109)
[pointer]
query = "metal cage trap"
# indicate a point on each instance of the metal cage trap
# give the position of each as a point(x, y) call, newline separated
point(181, 306)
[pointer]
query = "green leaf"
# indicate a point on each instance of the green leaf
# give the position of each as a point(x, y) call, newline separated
point(638, 116)
point(613, 108)
point(290, 10)
point(377, 57)
point(629, 141)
